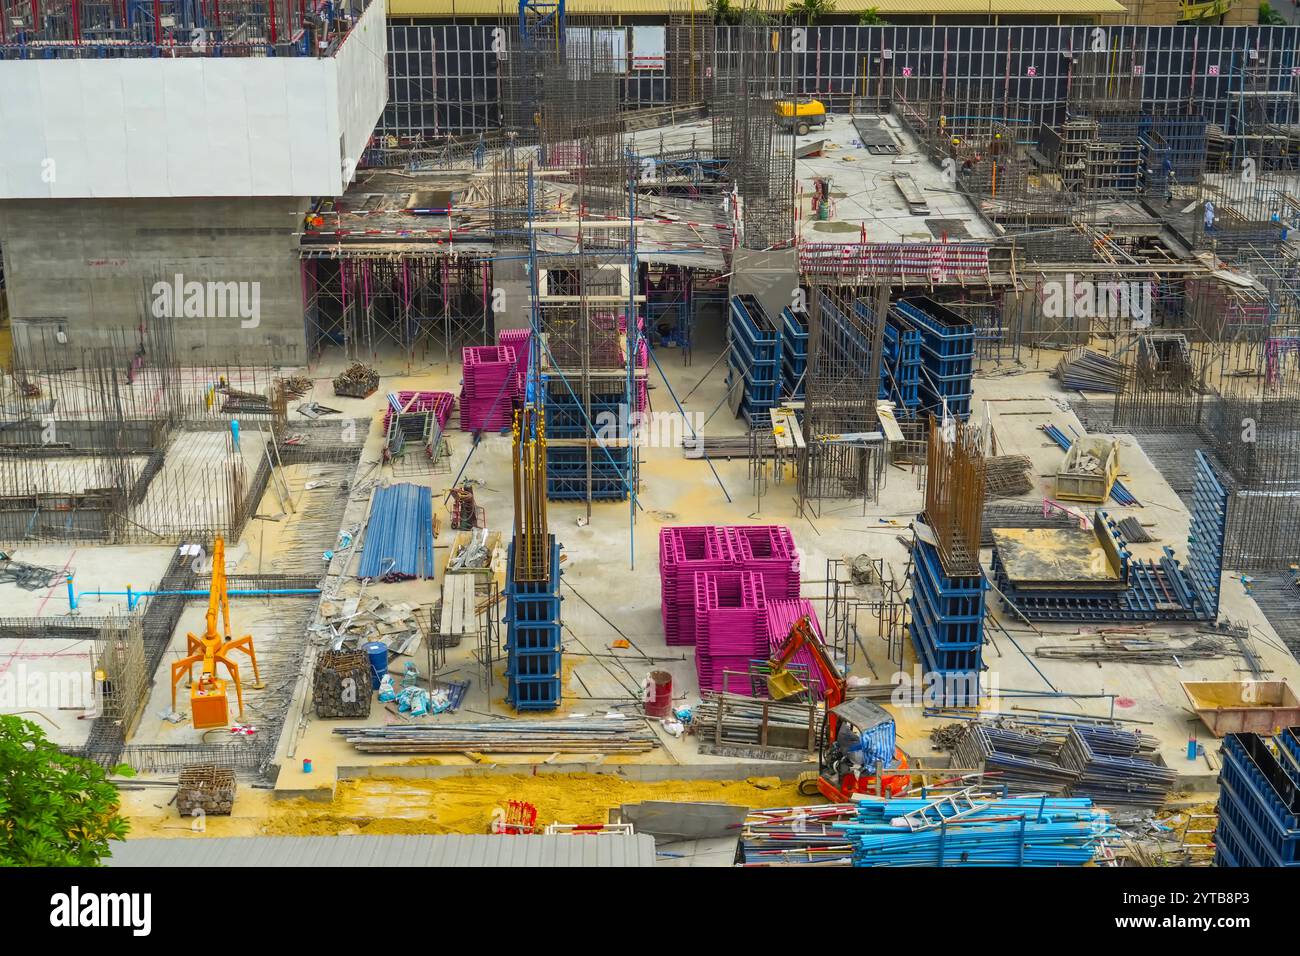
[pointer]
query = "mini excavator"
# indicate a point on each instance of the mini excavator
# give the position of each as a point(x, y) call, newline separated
point(209, 705)
point(853, 734)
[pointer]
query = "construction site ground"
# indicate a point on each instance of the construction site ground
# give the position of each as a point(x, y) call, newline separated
point(611, 562)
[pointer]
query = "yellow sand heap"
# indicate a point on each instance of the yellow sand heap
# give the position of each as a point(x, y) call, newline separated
point(459, 804)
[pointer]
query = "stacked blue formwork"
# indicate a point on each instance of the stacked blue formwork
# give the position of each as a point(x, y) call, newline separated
point(794, 352)
point(900, 366)
point(947, 628)
point(947, 354)
point(754, 358)
point(533, 640)
point(1259, 801)
point(566, 465)
point(1162, 590)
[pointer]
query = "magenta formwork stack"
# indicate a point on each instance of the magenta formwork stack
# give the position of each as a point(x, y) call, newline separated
point(489, 388)
point(769, 550)
point(521, 340)
point(730, 628)
point(781, 618)
point(683, 551)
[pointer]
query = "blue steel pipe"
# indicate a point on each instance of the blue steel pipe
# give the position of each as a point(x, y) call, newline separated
point(133, 597)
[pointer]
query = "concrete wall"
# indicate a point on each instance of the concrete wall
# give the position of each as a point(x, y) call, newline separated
point(192, 126)
point(91, 266)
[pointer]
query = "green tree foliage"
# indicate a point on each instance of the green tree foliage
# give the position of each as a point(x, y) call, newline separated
point(809, 11)
point(1268, 17)
point(55, 809)
point(871, 18)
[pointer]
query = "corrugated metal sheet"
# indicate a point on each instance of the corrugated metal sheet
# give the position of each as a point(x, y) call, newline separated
point(453, 850)
point(510, 11)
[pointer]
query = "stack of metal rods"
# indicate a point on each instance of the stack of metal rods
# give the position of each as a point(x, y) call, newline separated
point(798, 836)
point(605, 735)
point(1084, 370)
point(1116, 767)
point(532, 532)
point(954, 495)
point(1022, 761)
point(743, 716)
point(399, 535)
point(1011, 831)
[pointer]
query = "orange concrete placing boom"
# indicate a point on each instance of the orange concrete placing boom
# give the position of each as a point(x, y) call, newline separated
point(837, 776)
point(209, 706)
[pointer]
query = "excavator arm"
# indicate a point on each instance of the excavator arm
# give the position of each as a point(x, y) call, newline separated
point(781, 683)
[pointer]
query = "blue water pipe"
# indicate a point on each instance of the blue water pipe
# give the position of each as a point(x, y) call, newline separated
point(133, 596)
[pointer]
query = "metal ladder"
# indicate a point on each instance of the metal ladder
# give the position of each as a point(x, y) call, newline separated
point(960, 803)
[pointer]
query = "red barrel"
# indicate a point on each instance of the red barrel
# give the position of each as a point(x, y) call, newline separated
point(661, 697)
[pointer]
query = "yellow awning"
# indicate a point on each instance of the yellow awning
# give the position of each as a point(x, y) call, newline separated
point(912, 8)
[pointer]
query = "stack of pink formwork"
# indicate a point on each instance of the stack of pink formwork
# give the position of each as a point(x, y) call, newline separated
point(730, 628)
point(683, 551)
point(716, 583)
point(643, 383)
point(769, 550)
point(521, 341)
point(488, 391)
point(440, 403)
point(781, 618)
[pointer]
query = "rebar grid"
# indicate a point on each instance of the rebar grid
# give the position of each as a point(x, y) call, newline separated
point(954, 494)
point(532, 533)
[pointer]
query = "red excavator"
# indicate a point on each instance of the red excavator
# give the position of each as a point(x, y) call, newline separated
point(845, 762)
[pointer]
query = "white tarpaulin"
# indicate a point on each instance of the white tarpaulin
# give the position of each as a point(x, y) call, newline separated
point(649, 47)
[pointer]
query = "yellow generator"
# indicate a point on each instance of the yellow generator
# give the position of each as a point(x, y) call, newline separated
point(800, 115)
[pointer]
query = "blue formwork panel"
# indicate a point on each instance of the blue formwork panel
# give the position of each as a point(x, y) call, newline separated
point(794, 333)
point(944, 333)
point(533, 693)
point(529, 638)
point(533, 609)
point(1206, 535)
point(1249, 846)
point(525, 664)
point(1260, 791)
point(533, 635)
point(956, 599)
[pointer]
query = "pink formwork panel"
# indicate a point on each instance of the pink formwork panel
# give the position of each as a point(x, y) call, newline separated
point(682, 552)
point(769, 550)
point(730, 625)
point(781, 617)
point(489, 388)
point(440, 403)
point(521, 341)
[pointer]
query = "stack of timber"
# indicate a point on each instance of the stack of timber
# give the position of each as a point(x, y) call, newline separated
point(604, 736)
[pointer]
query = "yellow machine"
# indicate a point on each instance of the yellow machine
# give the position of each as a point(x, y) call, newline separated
point(209, 706)
point(800, 115)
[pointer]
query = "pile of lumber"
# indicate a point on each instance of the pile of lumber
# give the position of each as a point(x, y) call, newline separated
point(1084, 370)
point(608, 735)
point(357, 381)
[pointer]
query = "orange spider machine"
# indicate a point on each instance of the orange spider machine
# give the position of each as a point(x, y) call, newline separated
point(856, 734)
point(209, 706)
